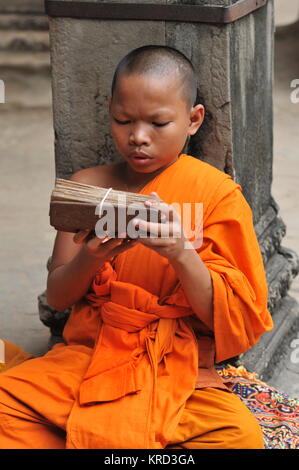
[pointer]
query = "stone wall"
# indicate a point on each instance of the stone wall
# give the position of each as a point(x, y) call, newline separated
point(25, 6)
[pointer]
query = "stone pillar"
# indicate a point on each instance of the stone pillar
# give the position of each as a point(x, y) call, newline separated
point(22, 6)
point(84, 55)
point(234, 64)
point(24, 54)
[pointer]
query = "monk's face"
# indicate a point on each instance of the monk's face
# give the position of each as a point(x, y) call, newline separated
point(150, 121)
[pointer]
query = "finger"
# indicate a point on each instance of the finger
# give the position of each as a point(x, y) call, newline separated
point(125, 245)
point(156, 203)
point(163, 207)
point(106, 242)
point(80, 236)
point(169, 224)
point(172, 214)
point(121, 240)
point(153, 229)
point(161, 211)
point(158, 242)
point(153, 193)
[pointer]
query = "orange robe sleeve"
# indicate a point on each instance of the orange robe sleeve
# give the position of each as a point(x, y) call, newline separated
point(231, 252)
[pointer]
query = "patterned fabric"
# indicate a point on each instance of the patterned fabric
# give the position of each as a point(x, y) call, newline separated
point(276, 412)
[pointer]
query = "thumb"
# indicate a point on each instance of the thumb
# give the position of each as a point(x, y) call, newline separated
point(106, 242)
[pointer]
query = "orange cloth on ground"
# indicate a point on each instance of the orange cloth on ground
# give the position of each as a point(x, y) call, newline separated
point(140, 328)
point(212, 418)
point(13, 355)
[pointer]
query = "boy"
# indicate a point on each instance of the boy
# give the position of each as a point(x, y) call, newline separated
point(150, 316)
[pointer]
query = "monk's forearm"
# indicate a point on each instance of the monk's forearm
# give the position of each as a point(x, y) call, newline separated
point(68, 283)
point(197, 284)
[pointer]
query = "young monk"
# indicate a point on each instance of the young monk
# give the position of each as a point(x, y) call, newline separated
point(150, 316)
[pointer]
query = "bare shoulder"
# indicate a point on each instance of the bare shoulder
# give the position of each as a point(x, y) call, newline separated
point(100, 175)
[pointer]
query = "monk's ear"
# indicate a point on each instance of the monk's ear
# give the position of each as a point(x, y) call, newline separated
point(197, 115)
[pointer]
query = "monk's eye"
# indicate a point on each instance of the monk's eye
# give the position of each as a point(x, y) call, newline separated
point(161, 124)
point(121, 122)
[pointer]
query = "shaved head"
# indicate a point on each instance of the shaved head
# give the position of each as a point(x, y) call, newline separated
point(159, 61)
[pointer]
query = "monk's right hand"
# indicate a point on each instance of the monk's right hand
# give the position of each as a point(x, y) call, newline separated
point(103, 248)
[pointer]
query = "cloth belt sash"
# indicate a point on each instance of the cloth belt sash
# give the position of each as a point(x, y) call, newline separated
point(144, 365)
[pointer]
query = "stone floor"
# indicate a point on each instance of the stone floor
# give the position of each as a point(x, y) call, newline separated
point(27, 176)
point(27, 173)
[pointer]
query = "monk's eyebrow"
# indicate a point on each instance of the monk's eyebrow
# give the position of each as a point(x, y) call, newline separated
point(161, 113)
point(122, 112)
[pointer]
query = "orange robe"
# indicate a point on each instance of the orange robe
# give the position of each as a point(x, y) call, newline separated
point(134, 351)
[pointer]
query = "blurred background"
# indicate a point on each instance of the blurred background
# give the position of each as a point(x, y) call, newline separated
point(28, 163)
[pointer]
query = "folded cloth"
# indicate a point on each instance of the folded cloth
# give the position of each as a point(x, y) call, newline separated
point(276, 412)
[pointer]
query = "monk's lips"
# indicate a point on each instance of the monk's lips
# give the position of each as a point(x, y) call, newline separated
point(141, 159)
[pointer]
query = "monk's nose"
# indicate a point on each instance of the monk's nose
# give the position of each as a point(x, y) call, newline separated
point(139, 136)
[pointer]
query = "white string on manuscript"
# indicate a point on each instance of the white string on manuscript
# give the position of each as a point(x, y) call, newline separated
point(102, 202)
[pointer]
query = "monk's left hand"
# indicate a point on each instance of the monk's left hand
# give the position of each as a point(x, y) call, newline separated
point(170, 237)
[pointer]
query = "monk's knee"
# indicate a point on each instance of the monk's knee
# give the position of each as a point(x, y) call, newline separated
point(250, 434)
